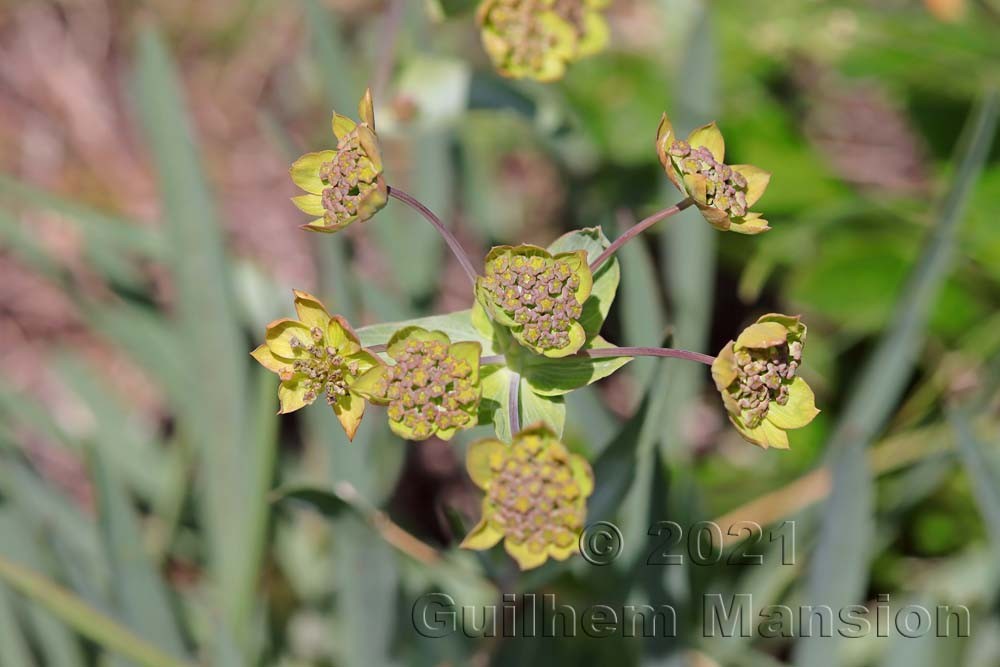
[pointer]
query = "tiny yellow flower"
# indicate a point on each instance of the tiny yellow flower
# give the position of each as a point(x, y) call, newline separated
point(536, 496)
point(433, 387)
point(538, 38)
point(756, 375)
point(316, 355)
point(723, 193)
point(538, 296)
point(345, 184)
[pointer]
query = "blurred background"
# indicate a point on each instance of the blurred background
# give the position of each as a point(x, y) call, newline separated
point(155, 511)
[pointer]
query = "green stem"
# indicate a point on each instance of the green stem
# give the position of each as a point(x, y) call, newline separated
point(513, 404)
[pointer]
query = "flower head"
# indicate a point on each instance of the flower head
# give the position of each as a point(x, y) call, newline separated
point(316, 355)
point(723, 193)
point(756, 375)
point(536, 496)
point(345, 184)
point(539, 296)
point(538, 38)
point(431, 389)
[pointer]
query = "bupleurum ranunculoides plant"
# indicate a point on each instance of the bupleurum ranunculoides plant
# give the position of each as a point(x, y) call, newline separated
point(537, 39)
point(531, 336)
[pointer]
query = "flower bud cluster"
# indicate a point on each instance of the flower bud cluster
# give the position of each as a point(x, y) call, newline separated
point(344, 191)
point(539, 294)
point(538, 38)
point(325, 371)
point(764, 375)
point(429, 390)
point(535, 495)
point(726, 189)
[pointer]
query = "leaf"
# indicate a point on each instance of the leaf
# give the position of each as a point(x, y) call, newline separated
point(139, 591)
point(596, 308)
point(83, 618)
point(642, 316)
point(554, 377)
point(457, 325)
point(14, 648)
point(983, 474)
point(324, 501)
point(536, 408)
point(494, 401)
point(838, 569)
point(211, 412)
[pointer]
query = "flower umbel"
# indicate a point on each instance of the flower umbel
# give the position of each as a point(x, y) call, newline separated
point(536, 496)
point(433, 387)
point(345, 184)
point(539, 296)
point(316, 355)
point(538, 38)
point(756, 375)
point(723, 193)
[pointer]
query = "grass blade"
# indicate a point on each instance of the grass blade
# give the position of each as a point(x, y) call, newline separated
point(138, 589)
point(983, 473)
point(213, 352)
point(83, 618)
point(838, 573)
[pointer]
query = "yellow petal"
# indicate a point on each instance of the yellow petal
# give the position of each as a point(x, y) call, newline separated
point(311, 311)
point(399, 339)
point(470, 352)
point(482, 536)
point(369, 144)
point(368, 383)
point(305, 171)
point(366, 110)
point(766, 435)
point(762, 334)
point(342, 125)
point(757, 180)
point(800, 409)
point(664, 139)
point(750, 224)
point(292, 396)
point(482, 459)
point(268, 360)
point(525, 558)
point(341, 336)
point(311, 204)
point(350, 408)
point(583, 474)
point(710, 137)
point(280, 334)
point(595, 35)
point(718, 219)
point(724, 368)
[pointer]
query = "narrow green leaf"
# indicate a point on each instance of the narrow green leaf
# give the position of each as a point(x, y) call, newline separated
point(983, 473)
point(838, 573)
point(139, 591)
point(642, 316)
point(213, 354)
point(13, 645)
point(83, 618)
